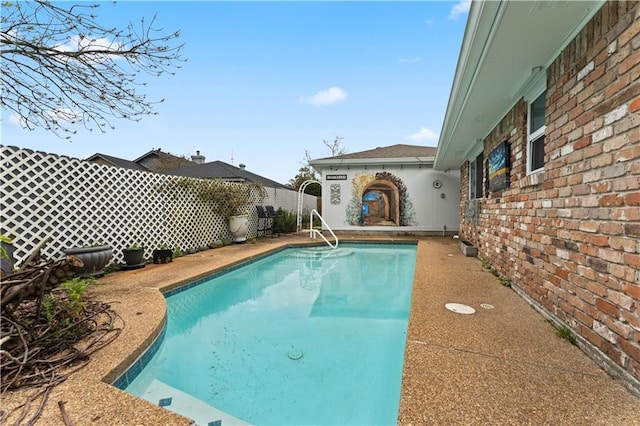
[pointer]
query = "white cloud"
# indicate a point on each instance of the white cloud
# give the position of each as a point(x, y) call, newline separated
point(326, 97)
point(423, 135)
point(63, 114)
point(89, 45)
point(56, 114)
point(409, 60)
point(459, 9)
point(78, 42)
point(17, 121)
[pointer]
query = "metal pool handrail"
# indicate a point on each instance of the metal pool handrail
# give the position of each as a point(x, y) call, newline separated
point(301, 201)
point(314, 232)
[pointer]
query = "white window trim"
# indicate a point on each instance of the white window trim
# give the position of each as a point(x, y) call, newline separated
point(532, 137)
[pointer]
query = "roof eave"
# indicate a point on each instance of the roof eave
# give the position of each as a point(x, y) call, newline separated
point(492, 71)
point(477, 32)
point(372, 161)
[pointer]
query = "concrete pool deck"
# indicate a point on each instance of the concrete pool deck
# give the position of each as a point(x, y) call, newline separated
point(503, 365)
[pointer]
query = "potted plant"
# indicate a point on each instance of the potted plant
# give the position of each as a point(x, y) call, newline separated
point(94, 259)
point(231, 200)
point(133, 257)
point(163, 254)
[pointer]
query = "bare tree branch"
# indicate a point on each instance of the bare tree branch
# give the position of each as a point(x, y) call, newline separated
point(336, 147)
point(59, 67)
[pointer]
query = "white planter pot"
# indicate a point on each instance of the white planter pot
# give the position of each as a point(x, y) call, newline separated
point(239, 226)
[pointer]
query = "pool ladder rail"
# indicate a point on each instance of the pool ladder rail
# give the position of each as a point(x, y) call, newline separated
point(315, 232)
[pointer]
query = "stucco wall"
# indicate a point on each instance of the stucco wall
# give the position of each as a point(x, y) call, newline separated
point(569, 237)
point(429, 212)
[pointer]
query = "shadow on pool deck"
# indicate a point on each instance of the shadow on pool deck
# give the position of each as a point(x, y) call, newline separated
point(503, 365)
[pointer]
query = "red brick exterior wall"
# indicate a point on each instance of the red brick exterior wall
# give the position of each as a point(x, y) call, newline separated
point(569, 237)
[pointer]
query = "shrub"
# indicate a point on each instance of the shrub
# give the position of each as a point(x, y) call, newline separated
point(63, 309)
point(285, 221)
point(228, 198)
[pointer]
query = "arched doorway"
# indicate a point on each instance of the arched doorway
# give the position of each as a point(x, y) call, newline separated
point(380, 204)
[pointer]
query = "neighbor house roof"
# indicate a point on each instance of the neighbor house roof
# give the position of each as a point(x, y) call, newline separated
point(153, 161)
point(507, 47)
point(109, 160)
point(159, 161)
point(398, 154)
point(224, 171)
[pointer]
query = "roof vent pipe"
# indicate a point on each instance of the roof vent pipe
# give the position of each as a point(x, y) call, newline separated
point(242, 166)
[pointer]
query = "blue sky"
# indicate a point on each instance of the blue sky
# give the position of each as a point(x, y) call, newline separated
point(265, 81)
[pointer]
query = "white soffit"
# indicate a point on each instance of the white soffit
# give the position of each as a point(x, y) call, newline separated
point(503, 43)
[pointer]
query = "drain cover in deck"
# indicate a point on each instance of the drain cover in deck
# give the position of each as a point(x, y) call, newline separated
point(459, 308)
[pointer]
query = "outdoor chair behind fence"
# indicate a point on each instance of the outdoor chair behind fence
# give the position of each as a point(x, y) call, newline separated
point(265, 221)
point(276, 222)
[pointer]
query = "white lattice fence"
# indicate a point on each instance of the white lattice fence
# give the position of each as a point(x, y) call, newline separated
point(78, 203)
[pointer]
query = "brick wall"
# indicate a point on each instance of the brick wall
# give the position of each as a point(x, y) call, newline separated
point(569, 237)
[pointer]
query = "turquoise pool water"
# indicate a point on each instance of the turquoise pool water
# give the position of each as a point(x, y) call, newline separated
point(303, 336)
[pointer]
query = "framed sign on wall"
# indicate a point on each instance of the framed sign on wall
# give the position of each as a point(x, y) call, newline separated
point(498, 167)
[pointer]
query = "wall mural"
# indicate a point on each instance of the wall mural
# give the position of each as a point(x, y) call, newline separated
point(379, 199)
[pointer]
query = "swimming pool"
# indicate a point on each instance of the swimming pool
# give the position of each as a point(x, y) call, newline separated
point(307, 335)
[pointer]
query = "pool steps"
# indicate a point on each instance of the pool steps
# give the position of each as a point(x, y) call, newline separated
point(181, 403)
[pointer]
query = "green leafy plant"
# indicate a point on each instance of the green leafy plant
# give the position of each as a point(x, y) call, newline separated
point(75, 289)
point(49, 306)
point(63, 310)
point(488, 266)
point(3, 251)
point(134, 246)
point(177, 252)
point(228, 198)
point(285, 221)
point(566, 333)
